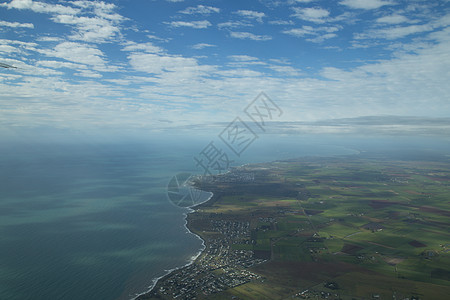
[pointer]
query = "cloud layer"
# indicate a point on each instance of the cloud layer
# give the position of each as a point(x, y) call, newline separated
point(84, 64)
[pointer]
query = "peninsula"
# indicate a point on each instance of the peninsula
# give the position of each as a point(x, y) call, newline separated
point(350, 227)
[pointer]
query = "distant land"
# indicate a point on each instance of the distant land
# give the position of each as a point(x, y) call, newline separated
point(349, 227)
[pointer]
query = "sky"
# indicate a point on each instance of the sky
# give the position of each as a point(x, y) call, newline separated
point(167, 64)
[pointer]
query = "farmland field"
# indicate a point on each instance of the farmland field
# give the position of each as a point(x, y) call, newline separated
point(355, 227)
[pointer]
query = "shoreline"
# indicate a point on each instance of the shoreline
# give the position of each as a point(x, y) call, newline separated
point(196, 256)
point(192, 259)
point(223, 269)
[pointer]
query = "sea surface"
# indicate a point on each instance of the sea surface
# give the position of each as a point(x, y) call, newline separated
point(91, 220)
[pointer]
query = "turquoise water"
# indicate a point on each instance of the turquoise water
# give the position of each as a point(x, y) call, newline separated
point(92, 220)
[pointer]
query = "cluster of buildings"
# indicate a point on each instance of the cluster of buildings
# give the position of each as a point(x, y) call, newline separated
point(232, 231)
point(311, 294)
point(220, 266)
point(232, 176)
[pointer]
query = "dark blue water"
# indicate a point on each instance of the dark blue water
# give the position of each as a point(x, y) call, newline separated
point(92, 220)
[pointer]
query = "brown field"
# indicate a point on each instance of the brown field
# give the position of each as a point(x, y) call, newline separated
point(309, 271)
point(417, 244)
point(379, 204)
point(381, 245)
point(313, 212)
point(435, 210)
point(351, 249)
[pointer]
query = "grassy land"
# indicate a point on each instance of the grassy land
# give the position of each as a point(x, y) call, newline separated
point(370, 226)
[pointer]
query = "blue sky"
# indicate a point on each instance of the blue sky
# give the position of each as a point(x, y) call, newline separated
point(143, 64)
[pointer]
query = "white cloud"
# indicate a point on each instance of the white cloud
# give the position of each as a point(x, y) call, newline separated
point(17, 47)
point(365, 4)
point(233, 24)
point(319, 34)
point(145, 47)
point(258, 16)
point(300, 32)
point(101, 27)
point(243, 58)
point(82, 70)
point(240, 73)
point(89, 29)
point(60, 64)
point(321, 38)
point(405, 83)
point(29, 45)
point(200, 9)
point(244, 62)
point(28, 69)
point(192, 24)
point(100, 9)
point(7, 49)
point(159, 64)
point(281, 61)
point(316, 15)
point(400, 32)
point(88, 73)
point(281, 22)
point(285, 70)
point(82, 54)
point(119, 81)
point(49, 39)
point(393, 19)
point(16, 24)
point(40, 7)
point(250, 36)
point(200, 46)
point(397, 32)
point(157, 38)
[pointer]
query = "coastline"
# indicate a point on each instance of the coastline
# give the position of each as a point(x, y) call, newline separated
point(191, 209)
point(248, 213)
point(192, 259)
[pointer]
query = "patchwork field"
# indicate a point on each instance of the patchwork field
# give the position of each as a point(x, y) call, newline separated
point(338, 228)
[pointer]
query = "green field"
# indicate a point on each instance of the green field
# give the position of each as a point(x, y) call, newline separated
point(371, 227)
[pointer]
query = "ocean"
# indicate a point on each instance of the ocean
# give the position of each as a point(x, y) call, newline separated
point(92, 220)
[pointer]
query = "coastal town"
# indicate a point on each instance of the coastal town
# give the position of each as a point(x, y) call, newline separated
point(218, 268)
